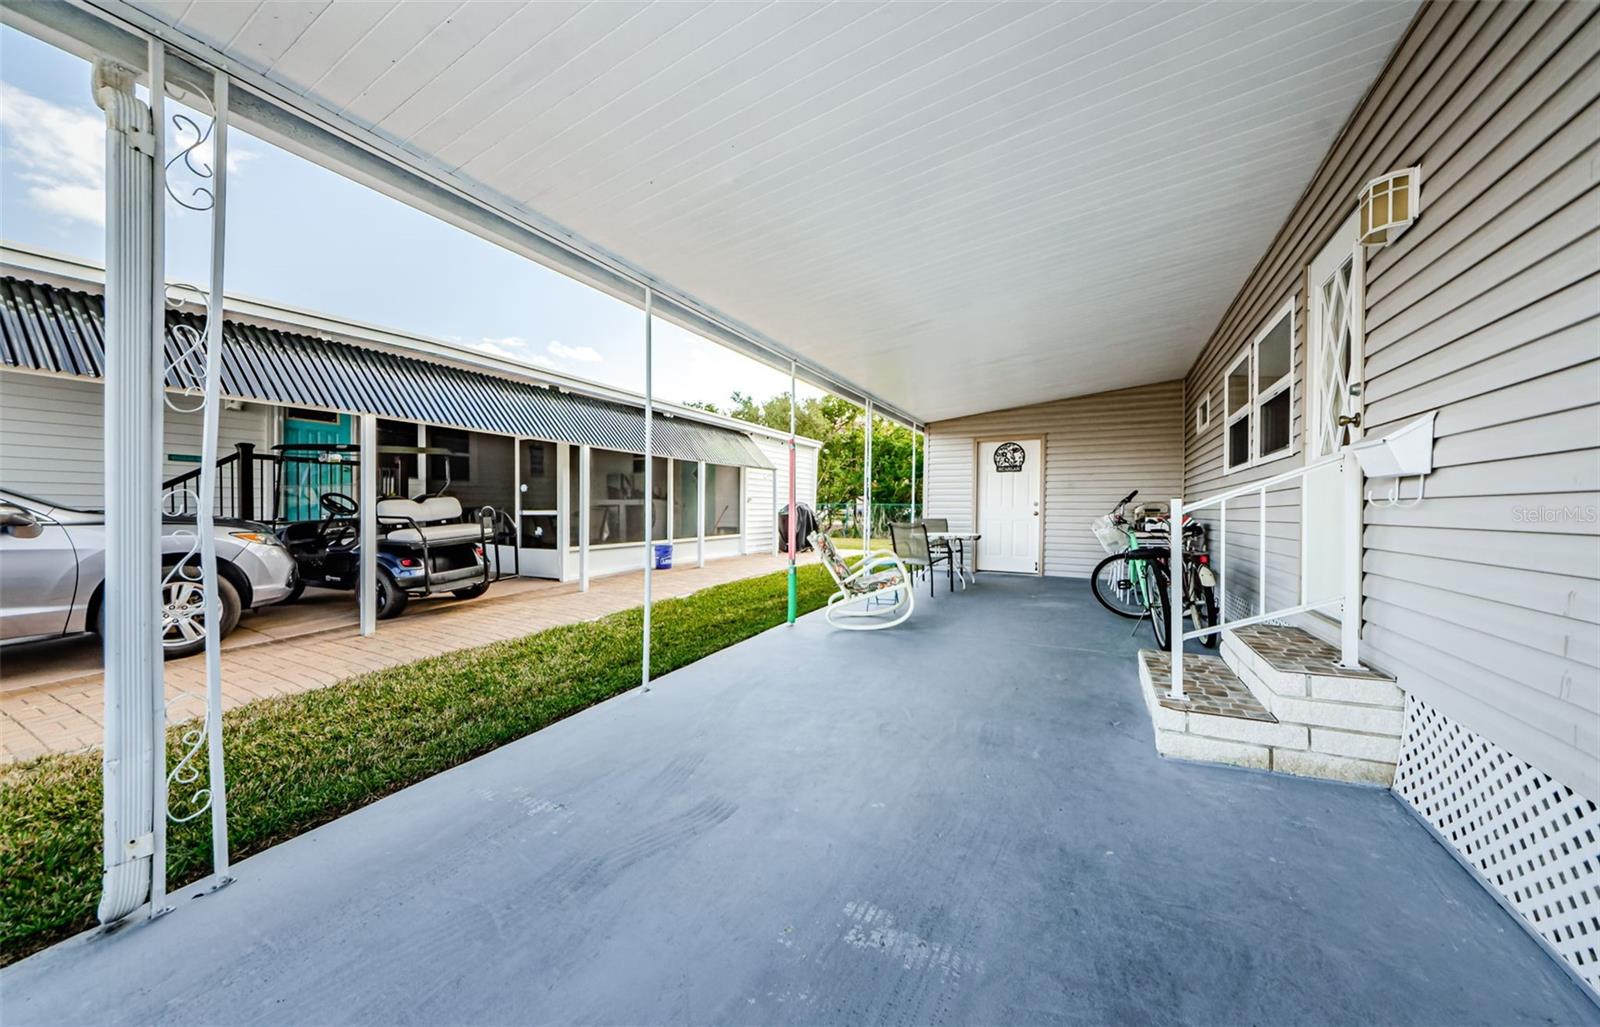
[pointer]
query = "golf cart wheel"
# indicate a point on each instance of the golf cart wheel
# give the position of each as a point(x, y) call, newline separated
point(471, 591)
point(392, 598)
point(183, 606)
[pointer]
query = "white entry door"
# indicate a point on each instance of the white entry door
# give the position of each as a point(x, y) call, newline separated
point(1336, 304)
point(1008, 505)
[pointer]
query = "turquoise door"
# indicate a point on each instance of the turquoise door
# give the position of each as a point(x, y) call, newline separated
point(305, 474)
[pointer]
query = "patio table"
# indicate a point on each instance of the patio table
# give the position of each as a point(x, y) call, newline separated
point(958, 540)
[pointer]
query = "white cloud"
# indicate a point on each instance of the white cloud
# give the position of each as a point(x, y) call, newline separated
point(58, 154)
point(507, 347)
point(576, 354)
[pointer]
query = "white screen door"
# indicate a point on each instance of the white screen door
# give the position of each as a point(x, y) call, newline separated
point(1008, 505)
point(1333, 416)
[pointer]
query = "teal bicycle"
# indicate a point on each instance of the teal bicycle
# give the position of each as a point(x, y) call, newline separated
point(1133, 580)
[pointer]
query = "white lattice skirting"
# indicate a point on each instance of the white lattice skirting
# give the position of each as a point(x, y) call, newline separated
point(1534, 840)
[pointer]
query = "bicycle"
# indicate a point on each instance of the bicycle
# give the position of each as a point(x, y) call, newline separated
point(1134, 581)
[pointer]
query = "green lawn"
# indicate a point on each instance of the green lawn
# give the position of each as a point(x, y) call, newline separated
point(303, 760)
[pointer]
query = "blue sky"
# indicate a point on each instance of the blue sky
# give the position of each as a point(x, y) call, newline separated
point(301, 235)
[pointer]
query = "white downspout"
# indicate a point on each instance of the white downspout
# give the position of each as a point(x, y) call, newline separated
point(133, 761)
point(584, 454)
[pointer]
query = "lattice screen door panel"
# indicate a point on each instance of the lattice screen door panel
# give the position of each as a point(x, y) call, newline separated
point(1532, 838)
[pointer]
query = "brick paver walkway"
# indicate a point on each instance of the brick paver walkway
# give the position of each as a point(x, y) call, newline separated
point(66, 716)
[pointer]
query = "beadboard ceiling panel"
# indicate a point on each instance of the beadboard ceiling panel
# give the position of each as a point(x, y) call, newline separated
point(962, 207)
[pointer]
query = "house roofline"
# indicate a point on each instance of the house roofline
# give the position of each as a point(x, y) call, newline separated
point(69, 272)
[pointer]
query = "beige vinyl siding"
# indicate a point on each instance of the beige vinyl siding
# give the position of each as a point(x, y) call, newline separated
point(52, 439)
point(1097, 449)
point(767, 491)
point(1484, 599)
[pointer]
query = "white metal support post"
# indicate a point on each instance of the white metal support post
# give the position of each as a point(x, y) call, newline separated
point(1350, 610)
point(700, 512)
point(649, 487)
point(584, 454)
point(133, 760)
point(204, 514)
point(913, 474)
point(794, 595)
point(866, 484)
point(1175, 598)
point(367, 578)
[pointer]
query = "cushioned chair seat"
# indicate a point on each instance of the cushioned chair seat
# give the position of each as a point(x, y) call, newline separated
point(437, 534)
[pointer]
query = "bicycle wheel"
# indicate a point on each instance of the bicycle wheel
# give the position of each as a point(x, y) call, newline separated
point(1113, 584)
point(1160, 619)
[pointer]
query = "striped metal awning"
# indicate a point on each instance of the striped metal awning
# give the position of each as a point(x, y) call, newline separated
point(47, 328)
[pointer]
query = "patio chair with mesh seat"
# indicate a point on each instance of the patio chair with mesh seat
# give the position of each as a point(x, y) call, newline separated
point(911, 545)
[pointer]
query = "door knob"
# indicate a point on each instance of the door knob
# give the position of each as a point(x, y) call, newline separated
point(1346, 422)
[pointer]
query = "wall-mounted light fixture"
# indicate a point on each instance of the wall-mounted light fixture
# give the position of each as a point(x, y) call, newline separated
point(1389, 205)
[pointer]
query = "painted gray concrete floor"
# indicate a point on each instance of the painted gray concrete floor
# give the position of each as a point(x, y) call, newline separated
point(961, 820)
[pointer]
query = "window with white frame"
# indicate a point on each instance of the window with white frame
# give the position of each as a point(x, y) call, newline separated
point(1236, 408)
point(1273, 352)
point(1258, 396)
point(1202, 413)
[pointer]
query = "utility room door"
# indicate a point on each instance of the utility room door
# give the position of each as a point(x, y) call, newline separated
point(1009, 486)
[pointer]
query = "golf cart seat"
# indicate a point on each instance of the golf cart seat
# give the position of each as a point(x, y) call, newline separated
point(436, 521)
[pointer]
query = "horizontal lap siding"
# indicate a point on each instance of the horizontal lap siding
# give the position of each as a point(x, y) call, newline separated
point(1484, 599)
point(1097, 449)
point(52, 437)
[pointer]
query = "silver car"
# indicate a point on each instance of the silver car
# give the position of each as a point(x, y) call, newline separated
point(52, 573)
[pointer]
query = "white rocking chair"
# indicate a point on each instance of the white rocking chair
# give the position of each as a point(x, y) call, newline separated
point(865, 588)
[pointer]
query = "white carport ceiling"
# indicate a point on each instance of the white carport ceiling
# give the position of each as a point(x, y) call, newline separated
point(960, 206)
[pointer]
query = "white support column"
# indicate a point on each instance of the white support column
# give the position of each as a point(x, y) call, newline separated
point(866, 484)
point(649, 486)
point(1350, 609)
point(367, 578)
point(700, 514)
point(133, 759)
point(1175, 598)
point(564, 512)
point(913, 474)
point(672, 480)
point(204, 516)
point(584, 454)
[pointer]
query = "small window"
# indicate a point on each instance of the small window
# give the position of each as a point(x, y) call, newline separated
point(1202, 413)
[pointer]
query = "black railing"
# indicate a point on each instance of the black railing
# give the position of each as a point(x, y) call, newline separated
point(245, 487)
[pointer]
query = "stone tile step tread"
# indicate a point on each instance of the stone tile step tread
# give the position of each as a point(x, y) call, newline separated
point(1291, 650)
point(1211, 688)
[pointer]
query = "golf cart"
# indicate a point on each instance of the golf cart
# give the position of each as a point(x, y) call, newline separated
point(424, 545)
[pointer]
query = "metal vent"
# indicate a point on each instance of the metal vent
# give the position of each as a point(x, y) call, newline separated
point(1531, 838)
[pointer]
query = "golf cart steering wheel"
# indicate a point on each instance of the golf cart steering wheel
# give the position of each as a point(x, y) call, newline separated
point(338, 504)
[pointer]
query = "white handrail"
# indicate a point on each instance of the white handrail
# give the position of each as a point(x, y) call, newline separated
point(1348, 600)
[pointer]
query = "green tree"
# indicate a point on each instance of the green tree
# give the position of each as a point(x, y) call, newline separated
point(839, 425)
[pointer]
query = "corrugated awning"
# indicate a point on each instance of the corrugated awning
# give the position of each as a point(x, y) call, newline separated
point(47, 328)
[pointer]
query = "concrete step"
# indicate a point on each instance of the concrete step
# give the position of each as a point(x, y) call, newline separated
point(1353, 718)
point(1218, 721)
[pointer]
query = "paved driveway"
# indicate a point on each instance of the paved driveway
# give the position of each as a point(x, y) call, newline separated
point(958, 821)
point(52, 696)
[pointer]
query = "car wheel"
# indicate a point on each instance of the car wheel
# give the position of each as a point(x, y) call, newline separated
point(183, 605)
point(471, 591)
point(392, 598)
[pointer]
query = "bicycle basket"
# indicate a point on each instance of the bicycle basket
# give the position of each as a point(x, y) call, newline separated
point(1112, 538)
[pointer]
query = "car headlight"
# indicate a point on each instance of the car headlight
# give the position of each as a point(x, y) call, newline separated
point(259, 538)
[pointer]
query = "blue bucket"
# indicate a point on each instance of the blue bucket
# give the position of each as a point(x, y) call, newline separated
point(663, 556)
